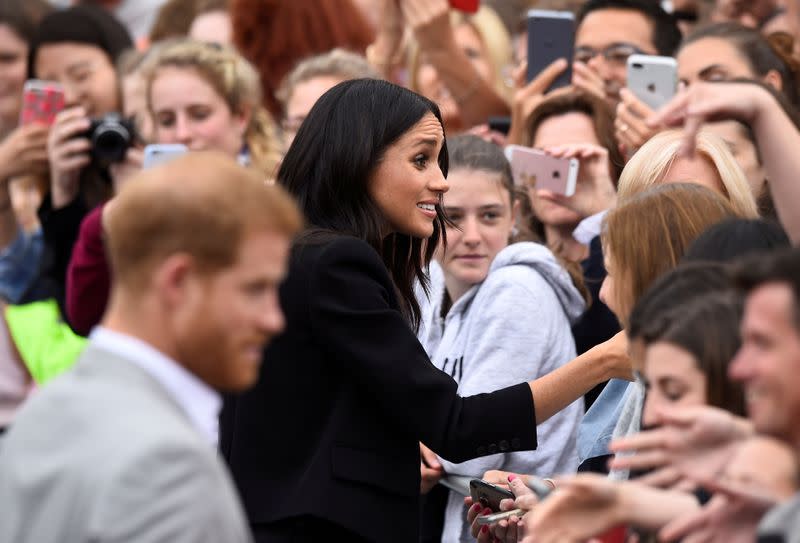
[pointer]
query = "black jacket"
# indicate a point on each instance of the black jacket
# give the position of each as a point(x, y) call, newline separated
point(346, 393)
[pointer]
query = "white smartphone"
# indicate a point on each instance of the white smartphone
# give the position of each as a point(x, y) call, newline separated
point(159, 153)
point(653, 79)
point(533, 168)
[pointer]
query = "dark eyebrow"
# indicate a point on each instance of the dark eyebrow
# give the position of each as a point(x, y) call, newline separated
point(492, 206)
point(430, 142)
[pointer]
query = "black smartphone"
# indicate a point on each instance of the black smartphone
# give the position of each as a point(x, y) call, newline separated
point(500, 124)
point(551, 36)
point(487, 494)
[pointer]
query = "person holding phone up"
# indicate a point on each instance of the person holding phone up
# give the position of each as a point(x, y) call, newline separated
point(76, 48)
point(23, 149)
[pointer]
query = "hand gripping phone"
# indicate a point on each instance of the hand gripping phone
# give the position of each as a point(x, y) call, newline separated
point(551, 36)
point(41, 102)
point(535, 169)
point(653, 79)
point(487, 494)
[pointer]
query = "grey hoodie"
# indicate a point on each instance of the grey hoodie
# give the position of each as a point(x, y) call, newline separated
point(513, 327)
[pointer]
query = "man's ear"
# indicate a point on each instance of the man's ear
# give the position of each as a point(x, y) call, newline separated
point(172, 279)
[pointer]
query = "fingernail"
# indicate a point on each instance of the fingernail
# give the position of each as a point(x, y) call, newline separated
point(511, 478)
point(487, 511)
point(484, 529)
point(476, 507)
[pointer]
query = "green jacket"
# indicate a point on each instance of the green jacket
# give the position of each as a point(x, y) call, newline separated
point(46, 344)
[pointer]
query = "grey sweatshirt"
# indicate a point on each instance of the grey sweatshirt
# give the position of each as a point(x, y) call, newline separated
point(513, 327)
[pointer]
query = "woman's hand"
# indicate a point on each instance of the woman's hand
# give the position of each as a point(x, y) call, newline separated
point(429, 20)
point(430, 469)
point(631, 128)
point(504, 530)
point(687, 442)
point(529, 95)
point(587, 80)
point(68, 154)
point(595, 190)
point(24, 151)
point(585, 506)
point(707, 102)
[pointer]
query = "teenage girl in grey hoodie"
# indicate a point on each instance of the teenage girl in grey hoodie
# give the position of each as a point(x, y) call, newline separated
point(497, 314)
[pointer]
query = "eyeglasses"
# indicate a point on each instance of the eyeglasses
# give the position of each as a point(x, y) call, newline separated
point(616, 54)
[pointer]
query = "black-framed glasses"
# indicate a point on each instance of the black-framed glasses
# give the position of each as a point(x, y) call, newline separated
point(616, 53)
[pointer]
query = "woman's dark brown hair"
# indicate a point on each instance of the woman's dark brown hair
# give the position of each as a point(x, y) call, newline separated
point(708, 328)
point(275, 34)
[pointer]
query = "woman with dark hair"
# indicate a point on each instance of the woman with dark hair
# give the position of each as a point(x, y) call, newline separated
point(348, 386)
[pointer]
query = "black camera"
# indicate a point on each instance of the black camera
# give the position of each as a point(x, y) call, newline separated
point(111, 136)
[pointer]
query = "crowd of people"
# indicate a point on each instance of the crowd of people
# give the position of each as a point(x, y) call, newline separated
point(333, 303)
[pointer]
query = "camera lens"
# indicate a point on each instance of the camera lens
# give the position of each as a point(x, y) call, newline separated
point(110, 140)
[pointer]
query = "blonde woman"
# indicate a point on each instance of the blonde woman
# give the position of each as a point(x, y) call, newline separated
point(713, 165)
point(207, 96)
point(203, 96)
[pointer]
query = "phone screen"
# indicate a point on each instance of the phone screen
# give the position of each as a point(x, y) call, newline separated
point(551, 36)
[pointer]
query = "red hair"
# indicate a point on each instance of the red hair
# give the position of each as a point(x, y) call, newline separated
point(275, 34)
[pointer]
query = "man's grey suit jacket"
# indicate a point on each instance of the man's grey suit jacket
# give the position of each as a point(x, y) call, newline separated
point(104, 453)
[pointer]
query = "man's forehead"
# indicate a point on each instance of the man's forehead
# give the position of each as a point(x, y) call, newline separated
point(773, 302)
point(603, 27)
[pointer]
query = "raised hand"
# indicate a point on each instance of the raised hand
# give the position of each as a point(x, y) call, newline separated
point(68, 154)
point(689, 441)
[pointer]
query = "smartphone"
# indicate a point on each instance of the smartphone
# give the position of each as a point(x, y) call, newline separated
point(488, 495)
point(653, 79)
point(159, 153)
point(551, 36)
point(469, 6)
point(533, 168)
point(497, 517)
point(41, 102)
point(500, 124)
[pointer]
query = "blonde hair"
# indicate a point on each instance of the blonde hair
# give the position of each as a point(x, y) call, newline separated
point(653, 160)
point(647, 234)
point(235, 80)
point(203, 204)
point(337, 63)
point(492, 32)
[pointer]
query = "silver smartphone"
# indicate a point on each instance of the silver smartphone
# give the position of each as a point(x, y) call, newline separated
point(159, 153)
point(653, 79)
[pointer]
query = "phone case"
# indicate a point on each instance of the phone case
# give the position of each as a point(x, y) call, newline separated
point(468, 6)
point(551, 36)
point(653, 79)
point(488, 495)
point(533, 168)
point(41, 102)
point(159, 153)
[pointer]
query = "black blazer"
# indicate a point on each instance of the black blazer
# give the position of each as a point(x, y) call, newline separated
point(332, 427)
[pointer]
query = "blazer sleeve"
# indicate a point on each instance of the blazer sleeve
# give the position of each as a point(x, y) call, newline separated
point(353, 312)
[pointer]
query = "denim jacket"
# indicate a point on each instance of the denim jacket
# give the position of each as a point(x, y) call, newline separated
point(19, 264)
point(597, 427)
